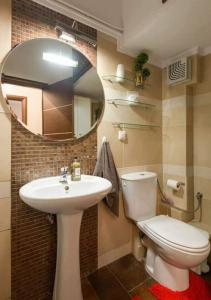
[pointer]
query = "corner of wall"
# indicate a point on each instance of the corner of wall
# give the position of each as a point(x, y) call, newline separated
point(5, 161)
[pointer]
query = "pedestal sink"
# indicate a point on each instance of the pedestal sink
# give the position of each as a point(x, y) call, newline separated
point(68, 201)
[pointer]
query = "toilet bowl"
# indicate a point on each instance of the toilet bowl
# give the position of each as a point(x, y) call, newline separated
point(173, 247)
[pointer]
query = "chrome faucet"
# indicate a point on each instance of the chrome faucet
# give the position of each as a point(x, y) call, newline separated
point(64, 174)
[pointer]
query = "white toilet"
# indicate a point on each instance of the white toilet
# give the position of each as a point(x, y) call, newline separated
point(173, 247)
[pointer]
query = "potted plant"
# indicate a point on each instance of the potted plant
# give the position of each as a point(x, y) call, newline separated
point(141, 72)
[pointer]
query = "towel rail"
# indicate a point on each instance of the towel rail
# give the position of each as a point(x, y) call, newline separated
point(134, 126)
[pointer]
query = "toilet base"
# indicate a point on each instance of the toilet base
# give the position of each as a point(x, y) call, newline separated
point(173, 278)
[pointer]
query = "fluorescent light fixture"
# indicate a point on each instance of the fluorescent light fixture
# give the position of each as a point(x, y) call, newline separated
point(67, 37)
point(59, 59)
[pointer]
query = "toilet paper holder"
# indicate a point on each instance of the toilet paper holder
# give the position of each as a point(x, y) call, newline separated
point(174, 184)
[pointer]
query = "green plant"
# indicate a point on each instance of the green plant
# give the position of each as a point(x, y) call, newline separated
point(139, 62)
point(142, 58)
point(146, 73)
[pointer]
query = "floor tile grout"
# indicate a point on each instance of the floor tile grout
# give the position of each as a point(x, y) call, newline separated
point(93, 288)
point(140, 284)
point(129, 289)
point(118, 280)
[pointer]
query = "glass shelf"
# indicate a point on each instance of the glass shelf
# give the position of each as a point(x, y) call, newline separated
point(130, 103)
point(117, 79)
point(134, 126)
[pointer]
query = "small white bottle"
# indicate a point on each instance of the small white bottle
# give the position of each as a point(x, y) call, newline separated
point(120, 73)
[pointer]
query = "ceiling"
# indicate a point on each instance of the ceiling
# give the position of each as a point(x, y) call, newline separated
point(108, 11)
point(164, 30)
point(25, 61)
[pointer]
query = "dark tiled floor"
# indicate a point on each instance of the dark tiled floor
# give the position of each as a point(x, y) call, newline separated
point(107, 286)
point(122, 279)
point(143, 290)
point(88, 290)
point(128, 271)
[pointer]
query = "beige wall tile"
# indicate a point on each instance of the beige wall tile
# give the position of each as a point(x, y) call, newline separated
point(5, 212)
point(177, 170)
point(203, 172)
point(113, 232)
point(204, 86)
point(202, 146)
point(180, 215)
point(5, 160)
point(5, 205)
point(177, 144)
point(5, 149)
point(203, 185)
point(5, 265)
point(201, 100)
point(5, 38)
point(206, 211)
point(174, 145)
point(3, 105)
point(5, 189)
point(111, 133)
point(5, 25)
point(174, 112)
point(202, 139)
point(143, 147)
point(202, 116)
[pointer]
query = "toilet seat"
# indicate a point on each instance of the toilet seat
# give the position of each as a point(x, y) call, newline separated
point(176, 234)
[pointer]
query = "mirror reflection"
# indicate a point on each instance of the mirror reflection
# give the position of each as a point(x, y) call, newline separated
point(52, 89)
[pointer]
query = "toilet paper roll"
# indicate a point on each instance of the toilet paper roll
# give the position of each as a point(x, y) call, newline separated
point(173, 184)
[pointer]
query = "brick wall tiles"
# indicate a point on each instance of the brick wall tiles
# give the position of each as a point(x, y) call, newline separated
point(33, 237)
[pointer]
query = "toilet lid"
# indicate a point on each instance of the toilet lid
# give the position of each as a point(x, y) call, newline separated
point(138, 176)
point(177, 232)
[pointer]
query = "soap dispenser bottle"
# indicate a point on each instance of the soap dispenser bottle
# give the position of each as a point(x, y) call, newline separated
point(76, 170)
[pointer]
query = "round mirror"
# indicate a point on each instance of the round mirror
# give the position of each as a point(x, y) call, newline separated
point(52, 89)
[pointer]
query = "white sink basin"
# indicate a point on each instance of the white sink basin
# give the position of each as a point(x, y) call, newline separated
point(51, 196)
point(68, 201)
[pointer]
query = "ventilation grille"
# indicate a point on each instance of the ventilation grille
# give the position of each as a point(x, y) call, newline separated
point(179, 71)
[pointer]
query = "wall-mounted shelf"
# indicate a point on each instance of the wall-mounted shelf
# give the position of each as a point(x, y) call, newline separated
point(117, 79)
point(134, 126)
point(130, 103)
point(122, 80)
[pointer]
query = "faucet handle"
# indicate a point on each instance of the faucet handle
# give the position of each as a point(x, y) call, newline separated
point(64, 170)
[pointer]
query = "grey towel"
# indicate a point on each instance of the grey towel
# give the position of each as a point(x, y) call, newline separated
point(105, 167)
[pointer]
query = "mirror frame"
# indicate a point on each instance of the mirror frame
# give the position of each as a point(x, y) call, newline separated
point(44, 138)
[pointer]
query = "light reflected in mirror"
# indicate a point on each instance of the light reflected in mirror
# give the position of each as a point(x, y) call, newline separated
point(52, 89)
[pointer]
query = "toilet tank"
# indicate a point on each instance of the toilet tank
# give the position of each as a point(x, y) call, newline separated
point(140, 195)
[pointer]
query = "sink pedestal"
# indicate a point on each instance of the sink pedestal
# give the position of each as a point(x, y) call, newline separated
point(67, 284)
point(50, 195)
